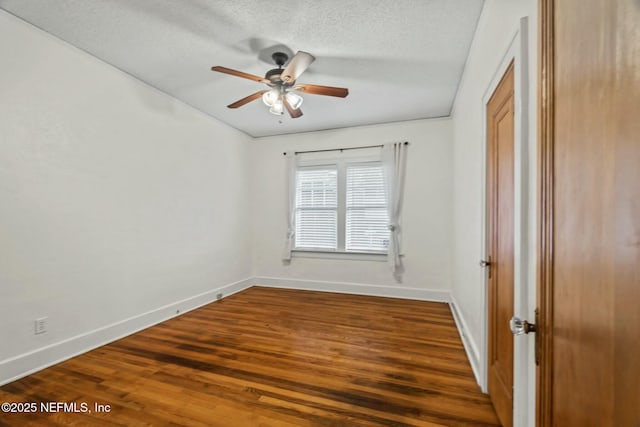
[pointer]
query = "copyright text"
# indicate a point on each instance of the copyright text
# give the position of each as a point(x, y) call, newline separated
point(53, 407)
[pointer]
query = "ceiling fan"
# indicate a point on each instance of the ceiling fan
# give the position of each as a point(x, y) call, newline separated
point(283, 84)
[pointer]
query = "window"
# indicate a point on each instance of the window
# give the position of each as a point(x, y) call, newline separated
point(341, 207)
point(367, 221)
point(317, 208)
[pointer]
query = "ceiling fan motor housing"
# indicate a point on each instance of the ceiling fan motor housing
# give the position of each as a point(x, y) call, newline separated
point(274, 75)
point(280, 58)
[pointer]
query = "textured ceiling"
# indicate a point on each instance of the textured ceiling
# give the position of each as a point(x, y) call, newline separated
point(401, 59)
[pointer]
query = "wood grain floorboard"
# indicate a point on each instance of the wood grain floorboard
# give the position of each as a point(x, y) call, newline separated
point(272, 357)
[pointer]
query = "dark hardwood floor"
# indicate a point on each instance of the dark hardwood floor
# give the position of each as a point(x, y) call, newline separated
point(272, 357)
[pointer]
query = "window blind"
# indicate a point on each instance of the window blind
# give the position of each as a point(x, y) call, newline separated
point(367, 219)
point(317, 208)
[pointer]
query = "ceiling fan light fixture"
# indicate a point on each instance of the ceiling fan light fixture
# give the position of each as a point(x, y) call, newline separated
point(271, 97)
point(277, 108)
point(294, 100)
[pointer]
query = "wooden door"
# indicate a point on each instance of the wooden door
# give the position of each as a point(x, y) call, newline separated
point(500, 221)
point(589, 241)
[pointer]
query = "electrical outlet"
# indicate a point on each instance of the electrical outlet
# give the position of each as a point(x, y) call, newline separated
point(40, 325)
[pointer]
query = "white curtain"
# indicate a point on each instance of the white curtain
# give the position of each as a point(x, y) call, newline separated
point(291, 206)
point(394, 159)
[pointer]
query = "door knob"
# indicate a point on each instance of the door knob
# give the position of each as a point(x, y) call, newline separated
point(521, 327)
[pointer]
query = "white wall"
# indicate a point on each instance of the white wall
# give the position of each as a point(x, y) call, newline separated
point(426, 218)
point(498, 24)
point(115, 200)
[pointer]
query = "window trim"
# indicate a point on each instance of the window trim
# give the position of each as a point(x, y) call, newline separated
point(355, 256)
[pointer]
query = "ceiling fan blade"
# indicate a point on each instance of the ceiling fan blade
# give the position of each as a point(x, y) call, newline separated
point(247, 99)
point(293, 112)
point(296, 66)
point(240, 74)
point(340, 92)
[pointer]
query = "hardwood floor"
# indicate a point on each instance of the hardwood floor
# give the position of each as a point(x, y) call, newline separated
point(272, 357)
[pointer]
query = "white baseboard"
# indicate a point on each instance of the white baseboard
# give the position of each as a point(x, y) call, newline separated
point(353, 288)
point(470, 346)
point(25, 364)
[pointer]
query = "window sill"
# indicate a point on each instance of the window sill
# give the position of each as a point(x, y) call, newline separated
point(355, 256)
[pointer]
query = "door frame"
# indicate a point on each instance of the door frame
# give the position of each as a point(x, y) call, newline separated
point(544, 210)
point(518, 53)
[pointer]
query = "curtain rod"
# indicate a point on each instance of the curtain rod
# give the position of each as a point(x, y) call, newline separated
point(340, 149)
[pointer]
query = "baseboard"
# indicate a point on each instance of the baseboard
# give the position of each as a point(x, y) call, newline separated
point(353, 288)
point(25, 364)
point(470, 347)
